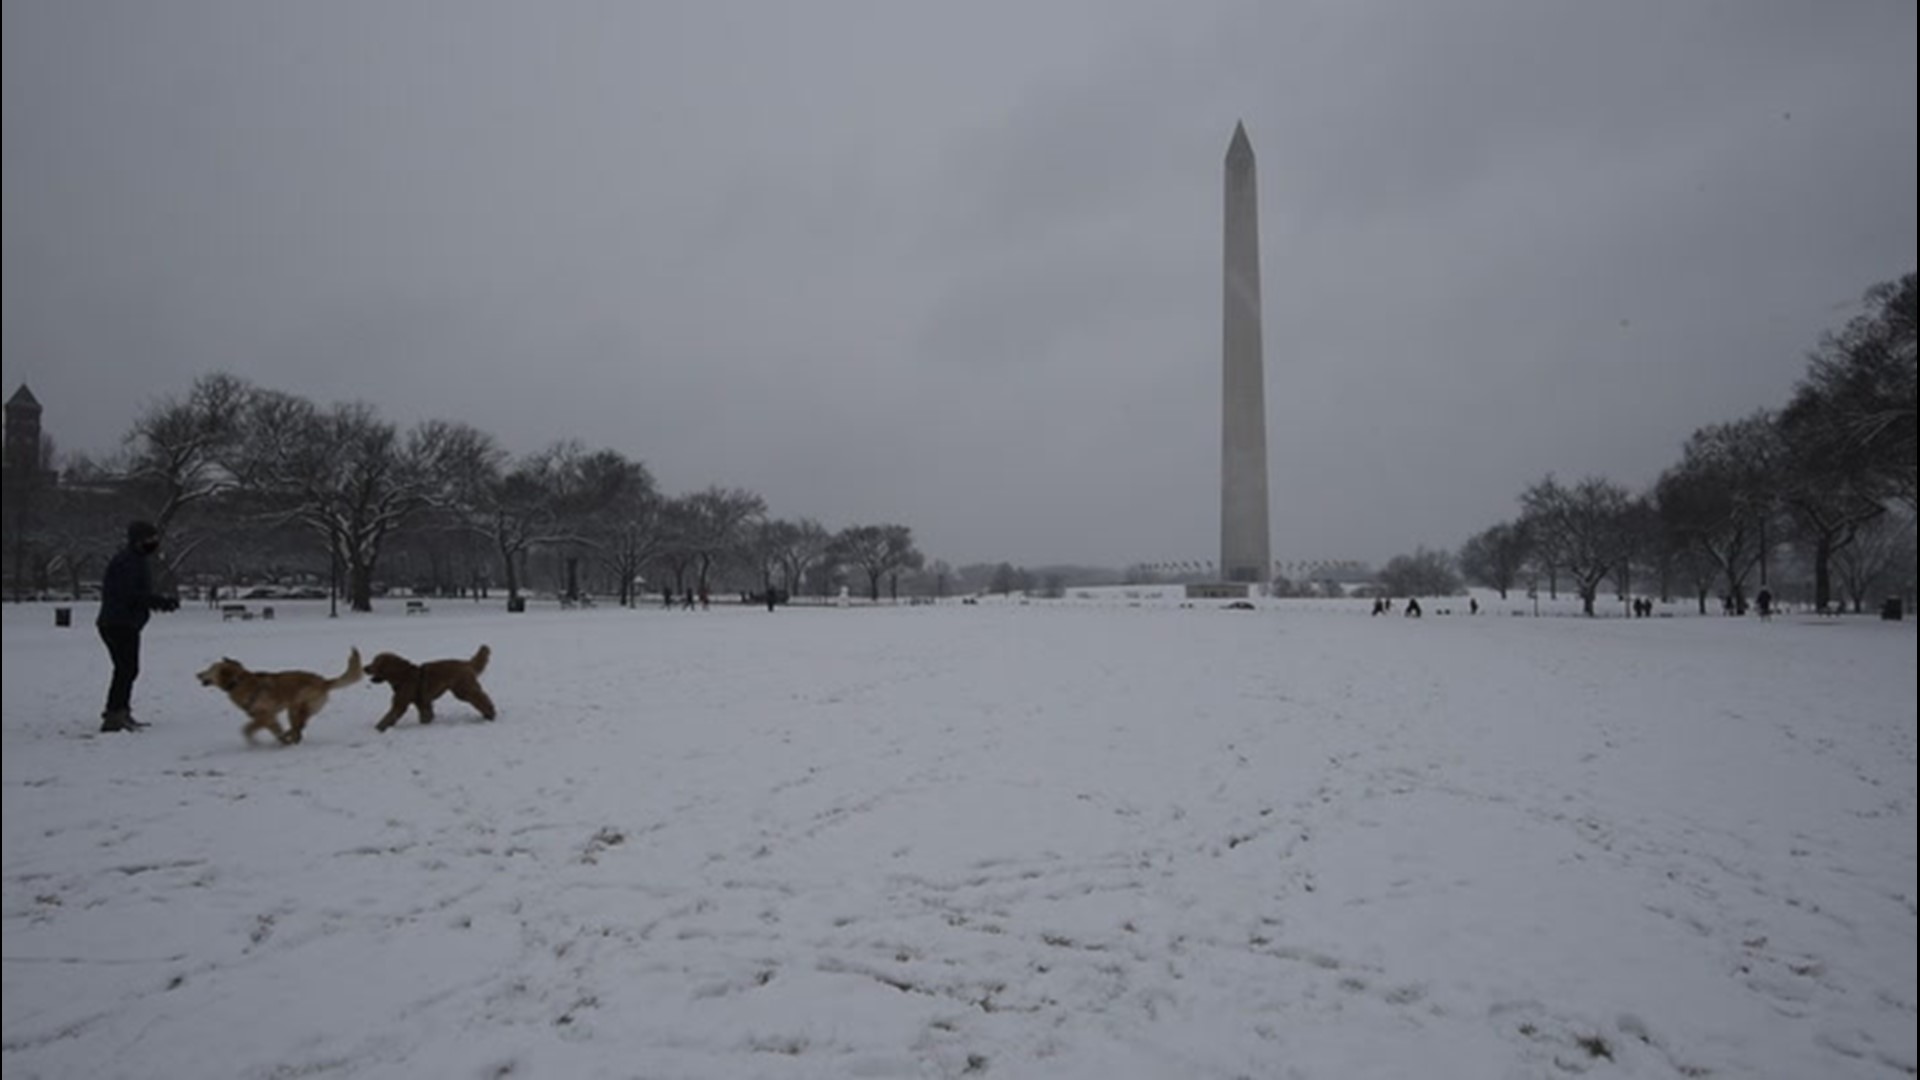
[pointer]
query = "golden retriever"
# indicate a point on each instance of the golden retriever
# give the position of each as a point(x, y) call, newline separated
point(264, 695)
point(417, 685)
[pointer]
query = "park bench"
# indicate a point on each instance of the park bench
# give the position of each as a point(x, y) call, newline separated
point(235, 611)
point(417, 607)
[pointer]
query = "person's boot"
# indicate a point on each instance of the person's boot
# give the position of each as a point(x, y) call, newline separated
point(117, 720)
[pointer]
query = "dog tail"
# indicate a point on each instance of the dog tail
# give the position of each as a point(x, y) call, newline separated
point(479, 660)
point(349, 676)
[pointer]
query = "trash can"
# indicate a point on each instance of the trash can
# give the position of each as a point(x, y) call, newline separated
point(516, 604)
point(1892, 609)
point(63, 616)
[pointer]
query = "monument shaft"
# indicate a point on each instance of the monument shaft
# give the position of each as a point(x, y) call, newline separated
point(1244, 552)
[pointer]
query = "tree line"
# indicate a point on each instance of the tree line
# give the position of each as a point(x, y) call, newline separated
point(252, 484)
point(1826, 482)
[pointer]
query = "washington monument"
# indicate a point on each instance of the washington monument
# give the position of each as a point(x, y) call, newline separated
point(1243, 411)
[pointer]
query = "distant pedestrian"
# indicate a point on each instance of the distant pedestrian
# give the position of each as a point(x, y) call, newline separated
point(1473, 606)
point(1413, 607)
point(687, 604)
point(1763, 602)
point(130, 590)
point(706, 598)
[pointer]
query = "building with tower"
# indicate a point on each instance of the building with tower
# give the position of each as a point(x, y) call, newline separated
point(26, 480)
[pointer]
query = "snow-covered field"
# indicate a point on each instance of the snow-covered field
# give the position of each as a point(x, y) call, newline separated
point(1071, 839)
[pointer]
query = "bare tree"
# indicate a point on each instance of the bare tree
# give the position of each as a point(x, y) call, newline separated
point(1879, 550)
point(767, 541)
point(718, 526)
point(1494, 558)
point(1641, 541)
point(1694, 565)
point(1863, 379)
point(677, 557)
point(878, 550)
point(450, 530)
point(1720, 497)
point(797, 548)
point(517, 511)
point(1423, 573)
point(905, 557)
point(1005, 579)
point(349, 477)
point(630, 529)
point(1579, 529)
point(566, 497)
point(181, 451)
point(1828, 492)
point(940, 573)
point(591, 493)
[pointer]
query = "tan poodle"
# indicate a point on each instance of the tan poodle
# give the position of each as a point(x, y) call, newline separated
point(417, 685)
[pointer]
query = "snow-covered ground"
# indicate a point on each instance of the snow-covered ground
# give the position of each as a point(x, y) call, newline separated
point(1104, 837)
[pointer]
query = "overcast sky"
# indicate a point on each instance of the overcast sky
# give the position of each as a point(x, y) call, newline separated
point(958, 265)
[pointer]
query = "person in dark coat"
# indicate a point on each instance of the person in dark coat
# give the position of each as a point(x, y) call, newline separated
point(129, 592)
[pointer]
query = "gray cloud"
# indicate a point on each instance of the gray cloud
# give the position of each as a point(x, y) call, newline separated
point(958, 265)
